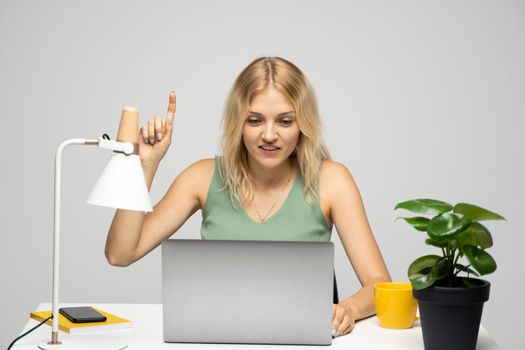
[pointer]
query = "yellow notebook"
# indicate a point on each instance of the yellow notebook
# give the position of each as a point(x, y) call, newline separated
point(65, 325)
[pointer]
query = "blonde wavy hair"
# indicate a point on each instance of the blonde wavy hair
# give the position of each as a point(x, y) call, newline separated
point(310, 151)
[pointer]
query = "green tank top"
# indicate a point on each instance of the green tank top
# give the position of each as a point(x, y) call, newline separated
point(294, 221)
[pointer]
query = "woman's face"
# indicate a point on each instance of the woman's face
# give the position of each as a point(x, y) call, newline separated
point(270, 131)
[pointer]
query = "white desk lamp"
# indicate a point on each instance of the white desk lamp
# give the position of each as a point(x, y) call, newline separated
point(121, 185)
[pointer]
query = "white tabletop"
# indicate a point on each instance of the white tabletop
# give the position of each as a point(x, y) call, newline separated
point(146, 333)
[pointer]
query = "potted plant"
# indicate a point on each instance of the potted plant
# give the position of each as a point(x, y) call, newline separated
point(450, 303)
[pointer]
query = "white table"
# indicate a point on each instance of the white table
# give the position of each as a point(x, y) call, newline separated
point(146, 333)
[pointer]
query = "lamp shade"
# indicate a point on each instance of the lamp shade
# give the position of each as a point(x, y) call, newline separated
point(122, 185)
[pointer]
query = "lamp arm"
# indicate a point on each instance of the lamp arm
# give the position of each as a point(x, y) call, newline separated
point(116, 146)
point(124, 147)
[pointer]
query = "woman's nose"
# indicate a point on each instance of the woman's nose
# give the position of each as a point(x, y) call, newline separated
point(269, 133)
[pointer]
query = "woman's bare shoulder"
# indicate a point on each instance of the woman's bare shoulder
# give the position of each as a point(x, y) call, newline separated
point(199, 171)
point(203, 166)
point(330, 169)
point(199, 175)
point(335, 177)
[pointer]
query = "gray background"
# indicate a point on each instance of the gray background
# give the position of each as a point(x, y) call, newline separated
point(418, 98)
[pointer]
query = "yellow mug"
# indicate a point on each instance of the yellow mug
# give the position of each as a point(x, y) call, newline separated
point(395, 305)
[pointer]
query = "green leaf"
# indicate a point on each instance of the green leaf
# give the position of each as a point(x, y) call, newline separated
point(466, 269)
point(476, 235)
point(480, 259)
point(425, 206)
point(422, 263)
point(476, 213)
point(445, 226)
point(482, 235)
point(420, 281)
point(439, 270)
point(426, 270)
point(430, 241)
point(464, 238)
point(418, 222)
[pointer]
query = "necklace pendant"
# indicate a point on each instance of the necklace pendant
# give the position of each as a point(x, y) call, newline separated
point(263, 218)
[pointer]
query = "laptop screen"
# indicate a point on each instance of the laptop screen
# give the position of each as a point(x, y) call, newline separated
point(265, 292)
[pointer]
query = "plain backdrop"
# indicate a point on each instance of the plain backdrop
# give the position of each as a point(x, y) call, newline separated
point(418, 98)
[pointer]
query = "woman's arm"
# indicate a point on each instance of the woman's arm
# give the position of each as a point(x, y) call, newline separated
point(133, 234)
point(340, 196)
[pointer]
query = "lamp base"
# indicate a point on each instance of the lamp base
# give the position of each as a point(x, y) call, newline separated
point(85, 342)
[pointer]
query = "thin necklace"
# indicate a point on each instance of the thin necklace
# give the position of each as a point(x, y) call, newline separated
point(262, 218)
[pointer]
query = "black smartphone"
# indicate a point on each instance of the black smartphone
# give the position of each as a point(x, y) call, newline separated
point(82, 314)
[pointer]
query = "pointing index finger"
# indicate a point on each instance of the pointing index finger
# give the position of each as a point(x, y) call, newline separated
point(172, 106)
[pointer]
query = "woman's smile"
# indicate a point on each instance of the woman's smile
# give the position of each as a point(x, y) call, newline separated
point(269, 150)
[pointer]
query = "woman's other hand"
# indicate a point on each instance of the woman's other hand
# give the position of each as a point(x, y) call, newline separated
point(343, 320)
point(155, 136)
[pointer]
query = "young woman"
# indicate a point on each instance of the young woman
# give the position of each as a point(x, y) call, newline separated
point(274, 180)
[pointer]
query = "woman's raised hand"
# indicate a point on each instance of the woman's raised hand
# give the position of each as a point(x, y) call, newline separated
point(155, 136)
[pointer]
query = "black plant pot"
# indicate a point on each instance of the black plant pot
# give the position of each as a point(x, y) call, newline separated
point(450, 316)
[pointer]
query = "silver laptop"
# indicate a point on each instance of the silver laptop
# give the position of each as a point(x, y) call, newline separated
point(247, 291)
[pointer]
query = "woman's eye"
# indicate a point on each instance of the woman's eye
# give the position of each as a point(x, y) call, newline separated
point(253, 121)
point(285, 122)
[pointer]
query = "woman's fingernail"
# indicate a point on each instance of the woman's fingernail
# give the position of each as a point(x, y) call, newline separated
point(334, 333)
point(145, 140)
point(169, 120)
point(152, 141)
point(159, 136)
